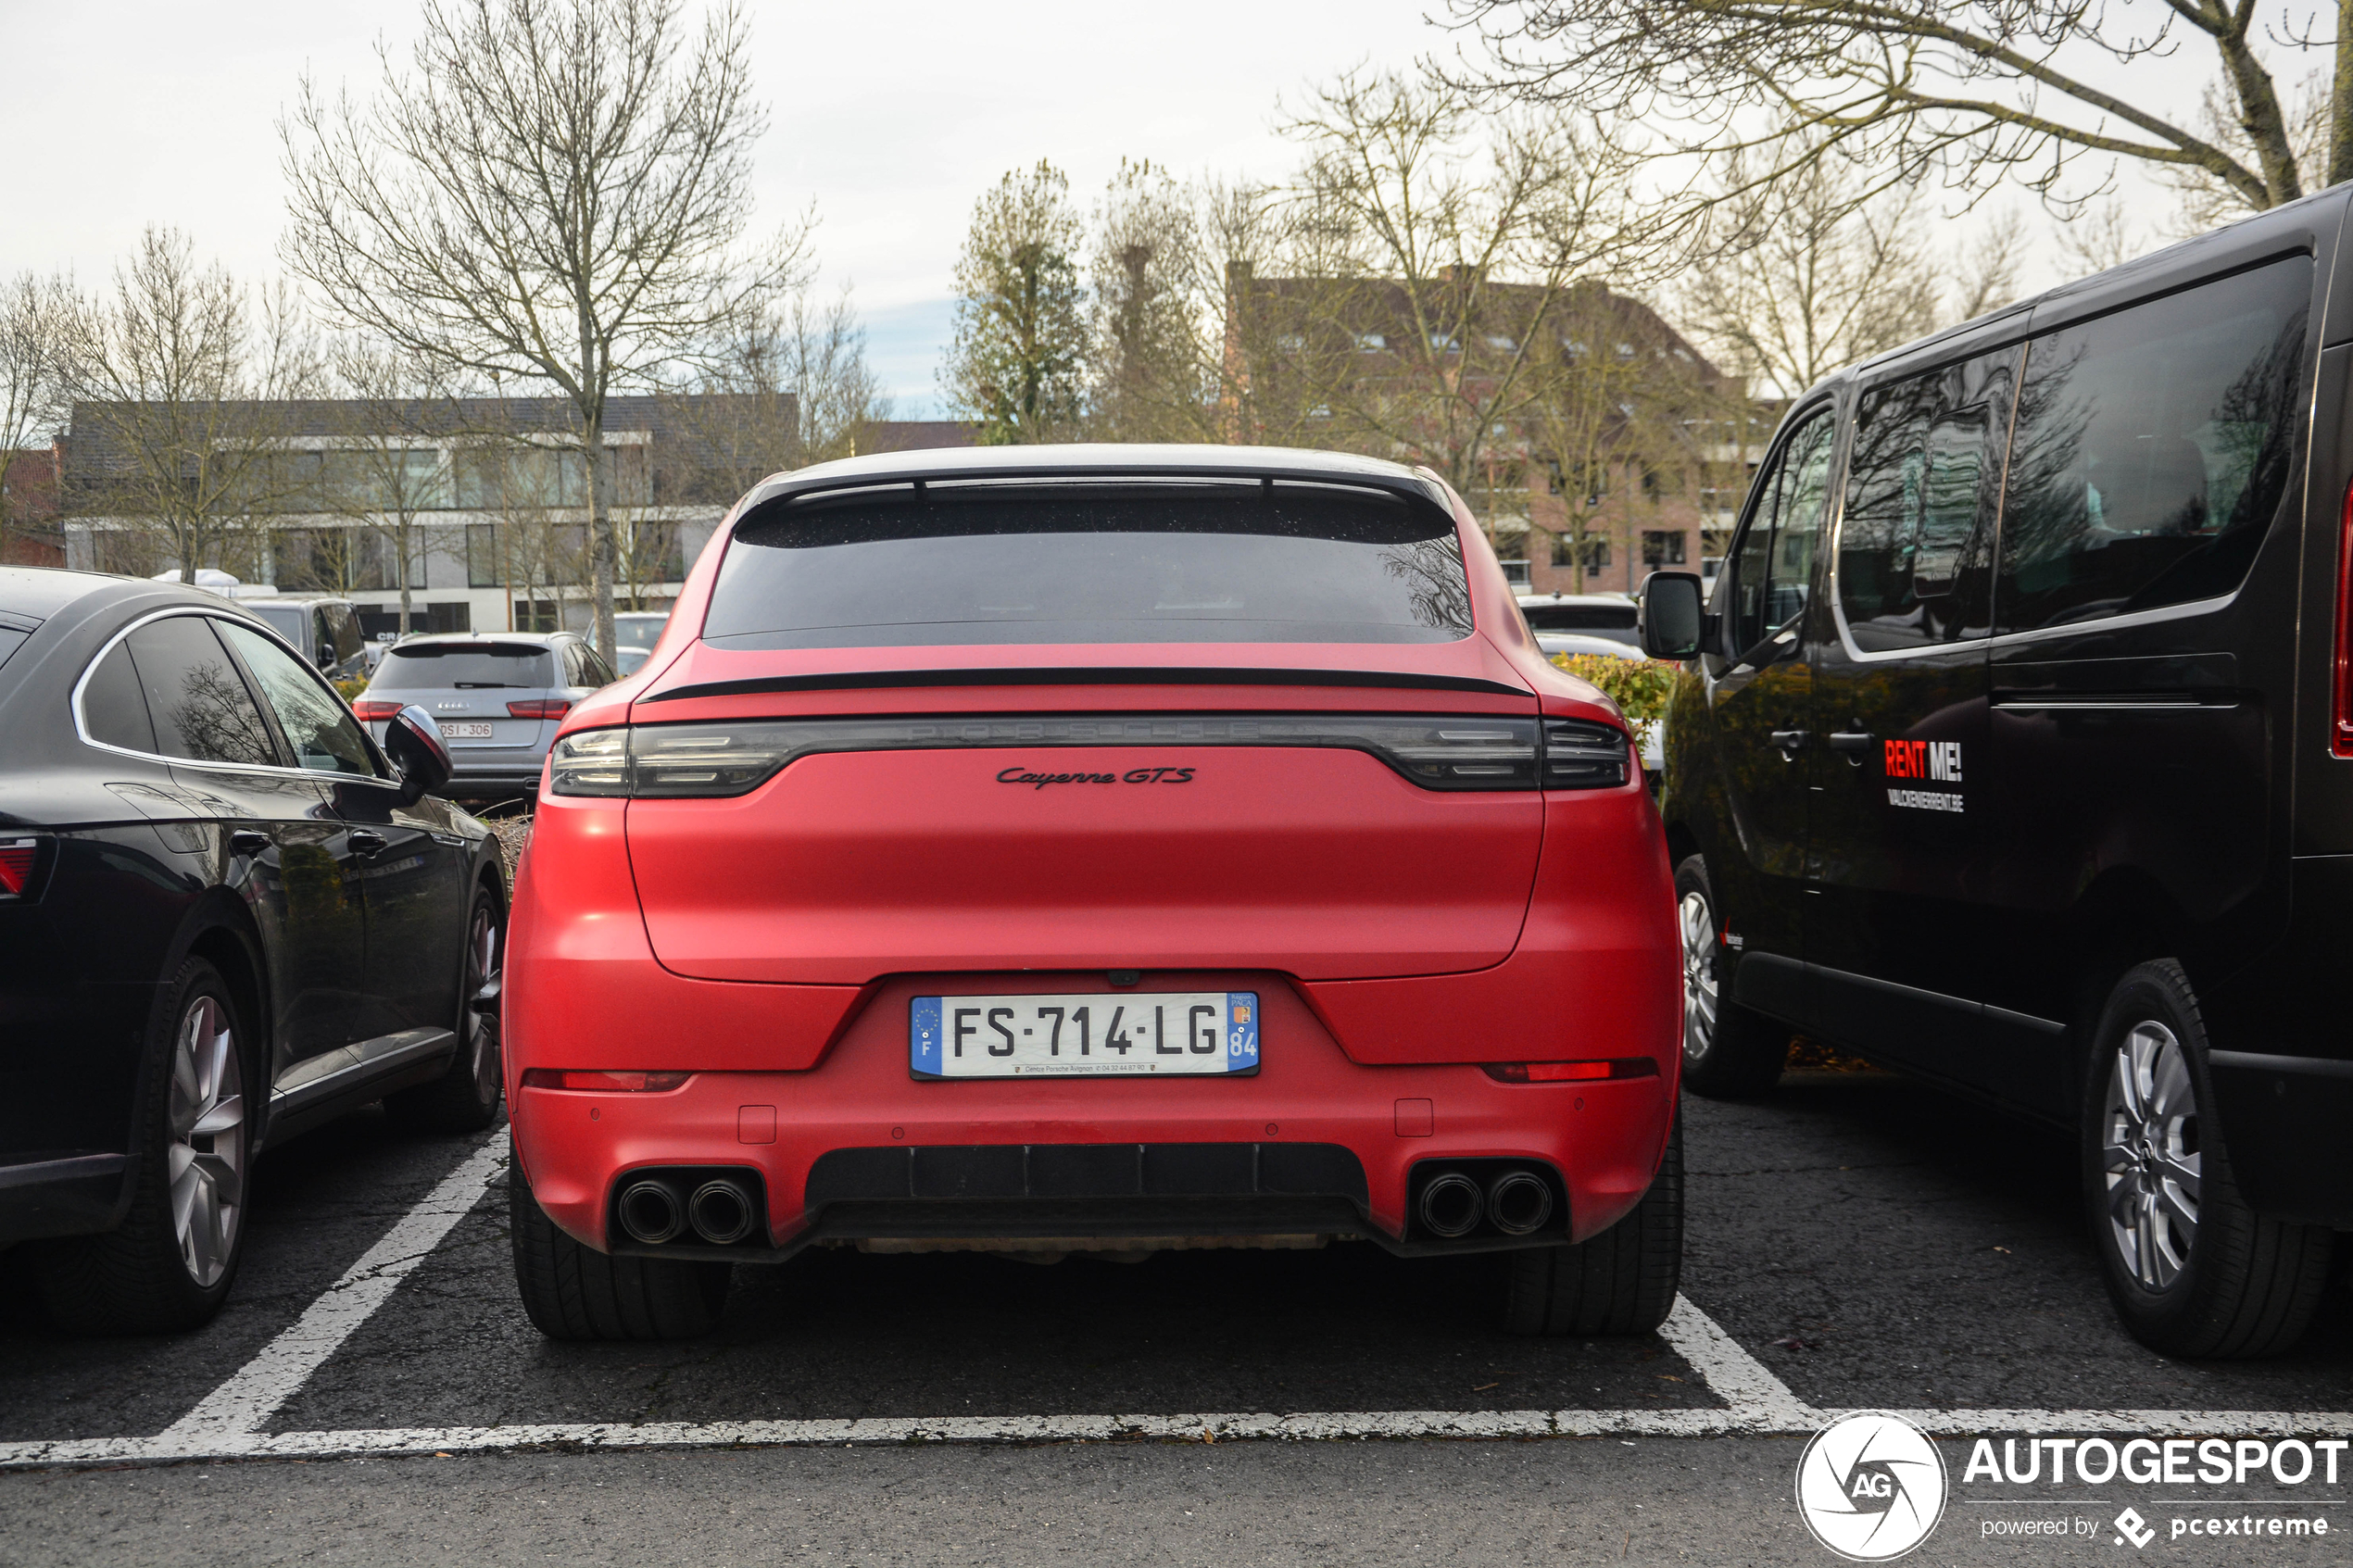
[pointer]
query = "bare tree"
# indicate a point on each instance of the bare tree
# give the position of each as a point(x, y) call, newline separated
point(552, 191)
point(1815, 272)
point(387, 467)
point(1979, 90)
point(34, 317)
point(1444, 243)
point(1988, 276)
point(1017, 365)
point(2100, 236)
point(1155, 328)
point(180, 381)
point(794, 389)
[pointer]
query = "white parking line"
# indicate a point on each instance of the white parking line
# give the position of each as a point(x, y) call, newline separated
point(254, 1393)
point(226, 1423)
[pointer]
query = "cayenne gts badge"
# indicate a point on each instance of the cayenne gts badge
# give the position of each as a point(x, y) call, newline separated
point(1018, 775)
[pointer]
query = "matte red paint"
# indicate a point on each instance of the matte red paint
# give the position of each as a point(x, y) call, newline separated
point(1397, 937)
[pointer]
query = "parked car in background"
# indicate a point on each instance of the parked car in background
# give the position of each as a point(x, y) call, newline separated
point(497, 698)
point(324, 631)
point(635, 632)
point(1095, 849)
point(1573, 644)
point(1595, 615)
point(2016, 751)
point(225, 916)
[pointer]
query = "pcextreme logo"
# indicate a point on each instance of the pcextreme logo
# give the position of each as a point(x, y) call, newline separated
point(1870, 1488)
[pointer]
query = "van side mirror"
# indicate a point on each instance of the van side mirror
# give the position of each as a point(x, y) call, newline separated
point(1670, 619)
point(413, 742)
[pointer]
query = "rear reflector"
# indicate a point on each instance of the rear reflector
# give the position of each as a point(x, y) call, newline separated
point(373, 711)
point(1570, 1071)
point(555, 708)
point(607, 1083)
point(1436, 751)
point(16, 865)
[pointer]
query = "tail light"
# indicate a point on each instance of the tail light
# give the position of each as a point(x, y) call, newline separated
point(372, 711)
point(607, 1083)
point(1436, 751)
point(553, 707)
point(16, 865)
point(2341, 707)
point(1571, 1071)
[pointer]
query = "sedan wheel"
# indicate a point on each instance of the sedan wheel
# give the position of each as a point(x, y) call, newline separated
point(2150, 1156)
point(207, 1154)
point(1699, 976)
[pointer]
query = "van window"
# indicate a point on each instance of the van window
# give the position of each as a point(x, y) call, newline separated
point(1773, 567)
point(1045, 561)
point(2152, 450)
point(342, 631)
point(1915, 543)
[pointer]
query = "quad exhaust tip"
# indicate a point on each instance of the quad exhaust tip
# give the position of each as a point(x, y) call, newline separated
point(1518, 1202)
point(1451, 1205)
point(721, 1211)
point(649, 1212)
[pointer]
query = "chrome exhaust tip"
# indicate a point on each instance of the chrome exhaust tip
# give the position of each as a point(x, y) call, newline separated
point(1518, 1202)
point(1450, 1205)
point(649, 1212)
point(721, 1211)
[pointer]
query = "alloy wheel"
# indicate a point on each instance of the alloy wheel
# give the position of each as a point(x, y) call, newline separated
point(1699, 976)
point(2149, 1152)
point(481, 1025)
point(206, 1155)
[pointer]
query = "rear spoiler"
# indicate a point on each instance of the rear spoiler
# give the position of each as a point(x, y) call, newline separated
point(1095, 675)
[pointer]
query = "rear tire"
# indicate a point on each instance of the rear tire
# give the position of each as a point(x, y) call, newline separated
point(1620, 1282)
point(465, 1098)
point(575, 1292)
point(169, 1264)
point(2193, 1270)
point(1728, 1052)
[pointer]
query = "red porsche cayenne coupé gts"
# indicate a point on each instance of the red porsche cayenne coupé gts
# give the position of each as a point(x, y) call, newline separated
point(1110, 848)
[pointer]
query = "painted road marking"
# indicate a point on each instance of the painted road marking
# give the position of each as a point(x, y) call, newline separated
point(227, 1423)
point(253, 1394)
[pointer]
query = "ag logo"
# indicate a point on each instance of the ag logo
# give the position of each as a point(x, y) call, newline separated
point(1870, 1486)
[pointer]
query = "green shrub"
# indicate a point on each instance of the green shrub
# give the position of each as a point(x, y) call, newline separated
point(1639, 686)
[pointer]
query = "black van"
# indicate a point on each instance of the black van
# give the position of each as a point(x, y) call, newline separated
point(2014, 749)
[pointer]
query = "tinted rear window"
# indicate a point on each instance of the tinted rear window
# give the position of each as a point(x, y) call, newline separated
point(1037, 563)
point(445, 665)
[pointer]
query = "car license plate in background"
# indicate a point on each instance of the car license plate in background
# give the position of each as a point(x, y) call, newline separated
point(463, 731)
point(1165, 1033)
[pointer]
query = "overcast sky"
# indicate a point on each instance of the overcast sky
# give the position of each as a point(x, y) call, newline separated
point(892, 119)
point(120, 113)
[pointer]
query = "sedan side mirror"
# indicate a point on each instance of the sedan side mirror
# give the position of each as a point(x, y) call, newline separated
point(413, 742)
point(1669, 620)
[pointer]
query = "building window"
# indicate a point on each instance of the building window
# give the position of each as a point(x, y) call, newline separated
point(1592, 550)
point(481, 555)
point(538, 615)
point(1662, 548)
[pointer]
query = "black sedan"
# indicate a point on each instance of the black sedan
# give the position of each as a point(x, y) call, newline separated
point(226, 916)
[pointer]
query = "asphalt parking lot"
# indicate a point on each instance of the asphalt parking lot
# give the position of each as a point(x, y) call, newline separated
point(1855, 1241)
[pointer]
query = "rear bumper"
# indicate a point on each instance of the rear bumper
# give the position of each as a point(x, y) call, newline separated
point(1314, 1144)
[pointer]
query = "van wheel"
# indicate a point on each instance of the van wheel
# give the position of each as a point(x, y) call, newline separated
point(1728, 1052)
point(1622, 1281)
point(575, 1292)
point(171, 1263)
point(2191, 1269)
point(465, 1098)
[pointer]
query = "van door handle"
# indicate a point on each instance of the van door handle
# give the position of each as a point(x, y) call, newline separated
point(1853, 742)
point(246, 841)
point(1790, 740)
point(368, 843)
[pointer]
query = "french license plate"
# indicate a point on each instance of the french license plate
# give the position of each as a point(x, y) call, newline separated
point(1136, 1035)
point(464, 731)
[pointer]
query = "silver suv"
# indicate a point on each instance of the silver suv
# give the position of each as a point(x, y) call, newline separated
point(497, 697)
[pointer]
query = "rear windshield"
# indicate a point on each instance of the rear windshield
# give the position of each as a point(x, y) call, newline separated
point(637, 631)
point(288, 622)
point(463, 665)
point(975, 563)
